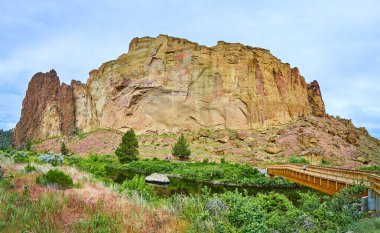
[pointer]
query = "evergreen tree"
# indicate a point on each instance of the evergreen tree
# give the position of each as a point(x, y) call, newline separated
point(64, 149)
point(128, 148)
point(28, 145)
point(181, 148)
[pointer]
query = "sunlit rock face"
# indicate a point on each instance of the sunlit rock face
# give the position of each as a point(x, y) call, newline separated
point(171, 84)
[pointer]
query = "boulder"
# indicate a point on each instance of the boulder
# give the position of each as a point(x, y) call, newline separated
point(273, 148)
point(157, 178)
point(223, 139)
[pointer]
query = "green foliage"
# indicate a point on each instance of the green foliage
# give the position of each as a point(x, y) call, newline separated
point(370, 168)
point(325, 162)
point(56, 178)
point(206, 172)
point(22, 213)
point(64, 149)
point(128, 148)
point(28, 145)
point(181, 148)
point(366, 226)
point(137, 184)
point(271, 212)
point(29, 168)
point(6, 138)
point(94, 164)
point(298, 160)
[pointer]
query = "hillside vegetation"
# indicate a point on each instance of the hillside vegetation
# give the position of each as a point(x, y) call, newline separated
point(6, 138)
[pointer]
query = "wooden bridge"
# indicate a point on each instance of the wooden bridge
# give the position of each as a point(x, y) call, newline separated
point(331, 180)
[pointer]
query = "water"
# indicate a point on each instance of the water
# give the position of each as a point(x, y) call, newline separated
point(180, 186)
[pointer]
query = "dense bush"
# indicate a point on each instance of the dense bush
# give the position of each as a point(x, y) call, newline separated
point(53, 159)
point(205, 172)
point(137, 184)
point(6, 138)
point(64, 149)
point(128, 148)
point(298, 160)
point(55, 178)
point(271, 212)
point(181, 148)
point(29, 168)
point(371, 168)
point(95, 164)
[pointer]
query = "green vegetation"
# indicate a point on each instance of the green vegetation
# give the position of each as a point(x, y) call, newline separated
point(298, 160)
point(102, 166)
point(128, 148)
point(137, 184)
point(21, 213)
point(181, 148)
point(206, 212)
point(56, 178)
point(64, 149)
point(6, 138)
point(367, 225)
point(237, 212)
point(94, 164)
point(28, 145)
point(371, 168)
point(29, 168)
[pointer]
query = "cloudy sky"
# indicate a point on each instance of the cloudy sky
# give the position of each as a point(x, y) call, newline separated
point(334, 42)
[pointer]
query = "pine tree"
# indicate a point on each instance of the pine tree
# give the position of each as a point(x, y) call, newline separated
point(64, 149)
point(128, 148)
point(28, 145)
point(181, 148)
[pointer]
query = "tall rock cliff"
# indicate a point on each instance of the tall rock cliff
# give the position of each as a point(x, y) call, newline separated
point(169, 84)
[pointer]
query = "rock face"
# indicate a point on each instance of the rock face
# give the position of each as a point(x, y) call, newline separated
point(171, 84)
point(47, 110)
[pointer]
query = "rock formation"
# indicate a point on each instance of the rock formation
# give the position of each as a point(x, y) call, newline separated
point(171, 84)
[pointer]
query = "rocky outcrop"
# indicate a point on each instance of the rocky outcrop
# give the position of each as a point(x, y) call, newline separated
point(171, 84)
point(315, 99)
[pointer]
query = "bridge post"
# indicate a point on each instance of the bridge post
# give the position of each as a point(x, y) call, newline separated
point(373, 200)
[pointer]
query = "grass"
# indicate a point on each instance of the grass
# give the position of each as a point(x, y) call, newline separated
point(371, 225)
point(298, 160)
point(370, 168)
point(24, 207)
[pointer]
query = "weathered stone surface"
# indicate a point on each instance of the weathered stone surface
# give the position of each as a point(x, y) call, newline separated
point(157, 178)
point(315, 99)
point(40, 116)
point(171, 84)
point(273, 148)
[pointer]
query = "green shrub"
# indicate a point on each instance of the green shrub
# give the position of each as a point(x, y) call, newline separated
point(181, 148)
point(298, 160)
point(28, 145)
point(21, 156)
point(138, 185)
point(128, 148)
point(370, 168)
point(56, 178)
point(29, 168)
point(64, 149)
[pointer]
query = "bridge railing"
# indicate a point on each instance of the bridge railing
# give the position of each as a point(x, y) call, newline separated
point(350, 177)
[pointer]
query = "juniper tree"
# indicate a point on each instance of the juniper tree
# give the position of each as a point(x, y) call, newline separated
point(128, 148)
point(64, 149)
point(181, 148)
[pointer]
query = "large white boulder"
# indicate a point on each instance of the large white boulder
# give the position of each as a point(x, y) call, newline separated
point(157, 178)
